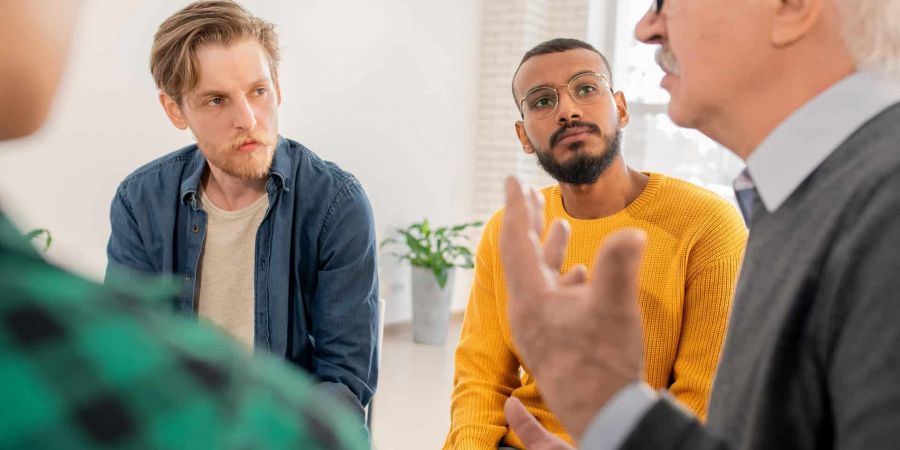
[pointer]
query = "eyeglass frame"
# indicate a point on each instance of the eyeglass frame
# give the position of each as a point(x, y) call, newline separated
point(657, 6)
point(602, 76)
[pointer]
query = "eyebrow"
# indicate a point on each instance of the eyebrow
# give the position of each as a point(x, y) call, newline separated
point(217, 93)
point(548, 85)
point(210, 94)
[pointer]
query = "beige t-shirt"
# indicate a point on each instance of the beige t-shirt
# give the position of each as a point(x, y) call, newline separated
point(226, 291)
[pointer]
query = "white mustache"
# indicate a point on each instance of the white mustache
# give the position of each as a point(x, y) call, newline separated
point(666, 60)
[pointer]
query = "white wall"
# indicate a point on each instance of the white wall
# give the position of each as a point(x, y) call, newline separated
point(385, 88)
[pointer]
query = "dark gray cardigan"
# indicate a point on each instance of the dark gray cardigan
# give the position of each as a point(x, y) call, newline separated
point(812, 355)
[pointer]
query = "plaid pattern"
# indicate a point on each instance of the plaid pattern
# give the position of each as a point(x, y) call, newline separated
point(87, 366)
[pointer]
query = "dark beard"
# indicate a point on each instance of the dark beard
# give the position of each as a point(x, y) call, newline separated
point(582, 168)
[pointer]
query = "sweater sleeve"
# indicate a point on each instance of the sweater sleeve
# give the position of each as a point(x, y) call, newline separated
point(486, 368)
point(715, 261)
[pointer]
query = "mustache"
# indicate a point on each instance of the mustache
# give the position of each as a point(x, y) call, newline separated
point(666, 60)
point(558, 134)
point(260, 139)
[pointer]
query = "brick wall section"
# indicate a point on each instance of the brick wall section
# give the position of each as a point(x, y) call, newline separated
point(509, 29)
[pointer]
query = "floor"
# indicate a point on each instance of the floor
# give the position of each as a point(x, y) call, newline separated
point(412, 406)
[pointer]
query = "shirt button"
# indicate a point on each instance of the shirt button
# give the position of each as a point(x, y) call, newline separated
point(195, 228)
point(187, 276)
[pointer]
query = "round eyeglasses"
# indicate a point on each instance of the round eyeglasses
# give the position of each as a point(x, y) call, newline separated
point(585, 88)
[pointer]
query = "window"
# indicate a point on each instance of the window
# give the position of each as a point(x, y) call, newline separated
point(652, 142)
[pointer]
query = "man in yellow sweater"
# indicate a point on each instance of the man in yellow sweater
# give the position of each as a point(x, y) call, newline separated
point(572, 121)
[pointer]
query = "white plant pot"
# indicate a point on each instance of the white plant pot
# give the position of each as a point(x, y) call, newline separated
point(431, 306)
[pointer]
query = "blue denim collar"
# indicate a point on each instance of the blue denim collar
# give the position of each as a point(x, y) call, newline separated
point(279, 173)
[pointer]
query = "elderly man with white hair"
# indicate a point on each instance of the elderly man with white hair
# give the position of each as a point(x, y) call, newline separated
point(807, 92)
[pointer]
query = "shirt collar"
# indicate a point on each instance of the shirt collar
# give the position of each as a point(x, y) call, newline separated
point(808, 136)
point(279, 173)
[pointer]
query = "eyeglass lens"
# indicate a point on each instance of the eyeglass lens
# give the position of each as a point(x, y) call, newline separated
point(584, 89)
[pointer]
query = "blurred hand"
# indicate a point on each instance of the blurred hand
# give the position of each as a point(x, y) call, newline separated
point(580, 339)
point(529, 430)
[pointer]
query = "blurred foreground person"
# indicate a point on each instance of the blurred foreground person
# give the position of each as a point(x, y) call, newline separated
point(87, 366)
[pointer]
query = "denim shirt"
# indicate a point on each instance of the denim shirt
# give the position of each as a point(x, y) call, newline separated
point(315, 270)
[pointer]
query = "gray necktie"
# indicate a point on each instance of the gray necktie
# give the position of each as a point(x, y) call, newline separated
point(745, 192)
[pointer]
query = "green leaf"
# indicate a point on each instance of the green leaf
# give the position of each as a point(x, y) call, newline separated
point(37, 232)
point(413, 243)
point(441, 276)
point(463, 226)
point(438, 249)
point(386, 242)
point(33, 234)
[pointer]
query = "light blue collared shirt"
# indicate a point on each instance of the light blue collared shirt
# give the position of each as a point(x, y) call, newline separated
point(796, 147)
point(808, 136)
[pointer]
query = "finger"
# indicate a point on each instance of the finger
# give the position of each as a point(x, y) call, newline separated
point(536, 199)
point(555, 243)
point(575, 275)
point(532, 434)
point(616, 268)
point(518, 245)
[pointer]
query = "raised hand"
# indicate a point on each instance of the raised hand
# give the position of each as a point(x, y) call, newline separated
point(580, 338)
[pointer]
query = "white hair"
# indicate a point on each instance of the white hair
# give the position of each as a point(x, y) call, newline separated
point(872, 33)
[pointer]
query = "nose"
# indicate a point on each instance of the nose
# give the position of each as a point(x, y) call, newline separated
point(244, 116)
point(567, 109)
point(651, 29)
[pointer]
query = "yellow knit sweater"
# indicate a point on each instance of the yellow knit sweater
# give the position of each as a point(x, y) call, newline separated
point(695, 244)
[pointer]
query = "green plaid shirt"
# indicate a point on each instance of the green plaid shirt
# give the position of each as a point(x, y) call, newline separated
point(88, 366)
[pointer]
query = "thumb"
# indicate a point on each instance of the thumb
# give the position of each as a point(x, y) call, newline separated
point(532, 434)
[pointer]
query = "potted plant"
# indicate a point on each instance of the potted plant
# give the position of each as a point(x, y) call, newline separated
point(434, 254)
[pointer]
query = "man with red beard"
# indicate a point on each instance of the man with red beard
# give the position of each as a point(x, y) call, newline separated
point(274, 245)
point(572, 120)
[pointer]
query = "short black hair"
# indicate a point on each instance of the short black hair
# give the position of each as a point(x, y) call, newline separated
point(559, 45)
